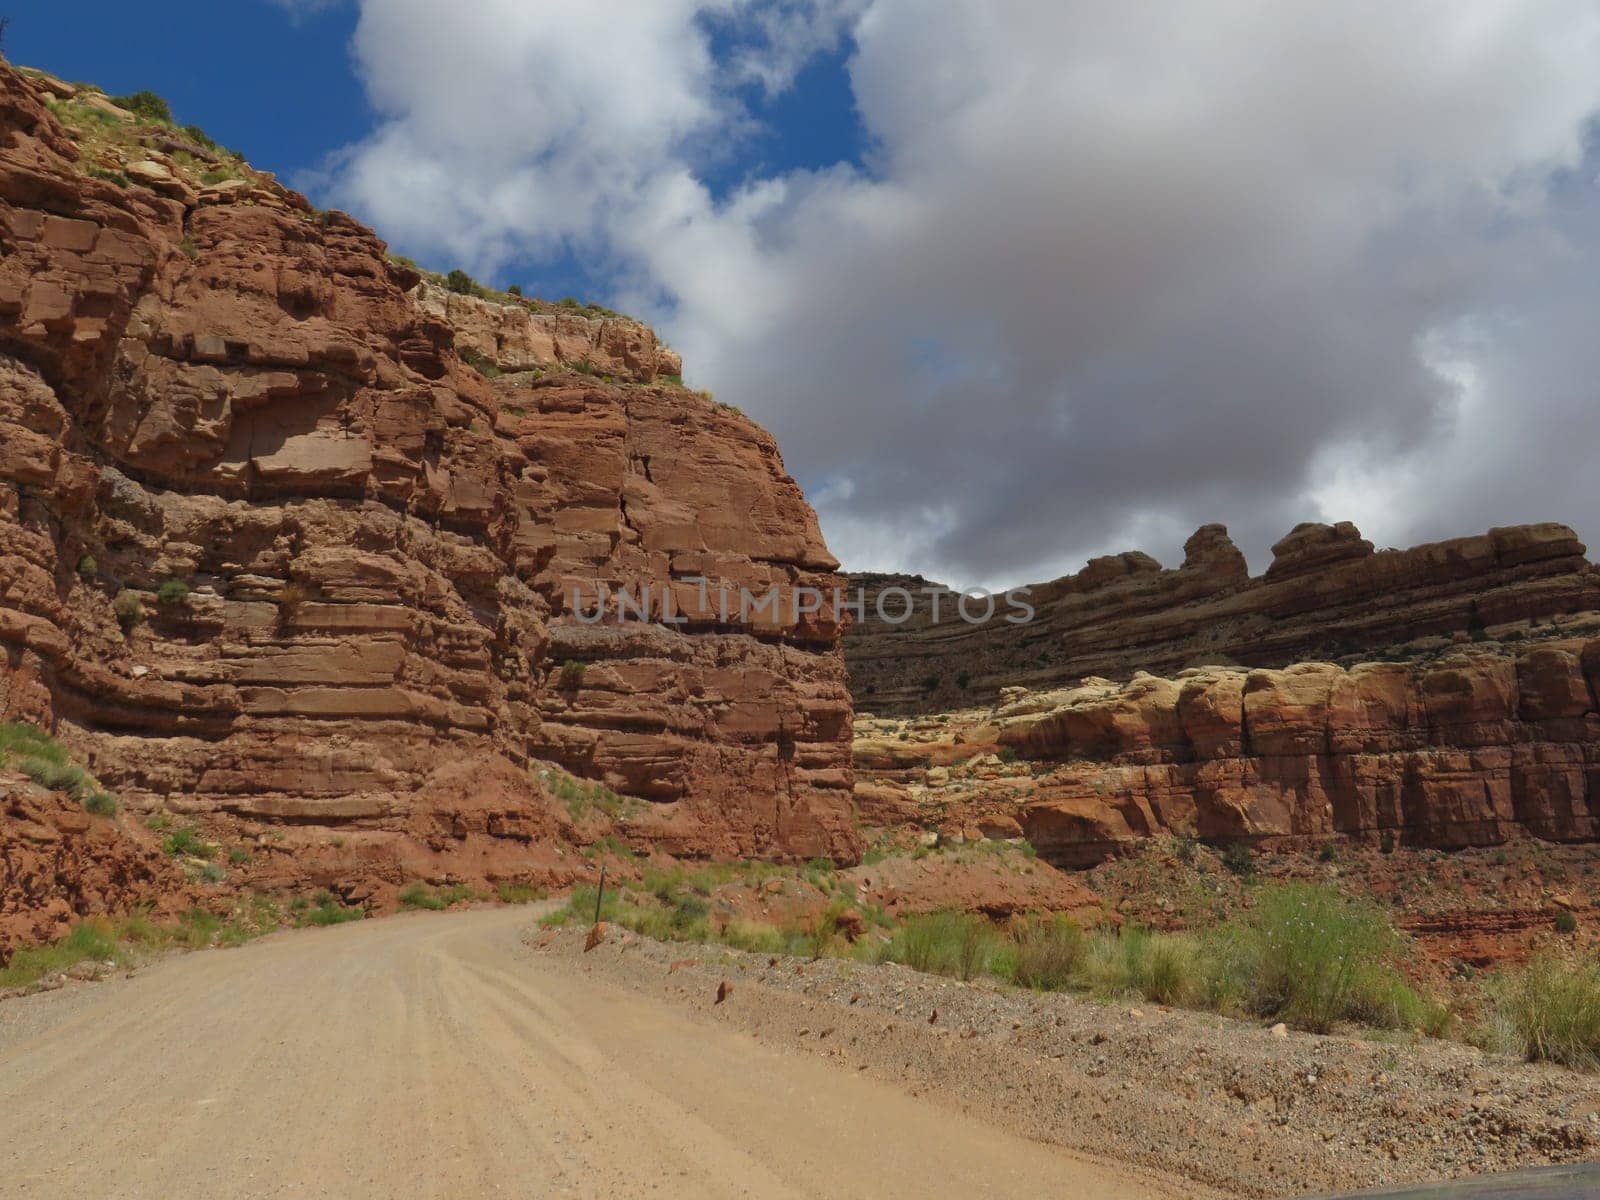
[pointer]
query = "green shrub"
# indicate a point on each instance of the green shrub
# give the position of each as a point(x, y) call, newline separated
point(186, 843)
point(1046, 953)
point(91, 941)
point(88, 568)
point(58, 777)
point(172, 593)
point(1549, 1011)
point(100, 804)
point(944, 943)
point(1238, 858)
point(239, 856)
point(1008, 754)
point(328, 911)
point(515, 290)
point(1311, 956)
point(1566, 922)
point(1163, 968)
point(461, 283)
point(572, 673)
point(19, 740)
point(417, 896)
point(211, 873)
point(129, 609)
point(147, 105)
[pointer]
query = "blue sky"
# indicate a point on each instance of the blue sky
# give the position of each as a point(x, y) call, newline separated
point(278, 83)
point(279, 90)
point(1013, 284)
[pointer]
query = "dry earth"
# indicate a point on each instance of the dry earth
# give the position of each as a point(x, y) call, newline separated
point(1223, 1102)
point(437, 1056)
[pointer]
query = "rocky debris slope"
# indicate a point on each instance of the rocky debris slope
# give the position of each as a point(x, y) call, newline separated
point(1474, 748)
point(1327, 595)
point(275, 558)
point(1221, 1102)
point(57, 863)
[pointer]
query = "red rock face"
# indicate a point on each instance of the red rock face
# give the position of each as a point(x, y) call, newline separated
point(1472, 749)
point(218, 385)
point(58, 864)
point(1327, 595)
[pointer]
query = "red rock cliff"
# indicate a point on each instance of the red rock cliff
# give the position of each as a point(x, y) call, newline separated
point(1471, 747)
point(203, 379)
point(1327, 595)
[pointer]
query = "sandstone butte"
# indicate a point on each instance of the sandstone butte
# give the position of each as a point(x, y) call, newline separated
point(376, 675)
point(383, 496)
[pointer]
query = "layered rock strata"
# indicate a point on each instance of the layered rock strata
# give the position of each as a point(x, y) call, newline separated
point(1327, 595)
point(276, 558)
point(1476, 747)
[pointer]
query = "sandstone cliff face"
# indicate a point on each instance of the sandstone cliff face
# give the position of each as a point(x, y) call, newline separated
point(1474, 748)
point(214, 383)
point(1327, 595)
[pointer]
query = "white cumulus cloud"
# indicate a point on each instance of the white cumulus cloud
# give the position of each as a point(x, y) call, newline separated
point(1110, 271)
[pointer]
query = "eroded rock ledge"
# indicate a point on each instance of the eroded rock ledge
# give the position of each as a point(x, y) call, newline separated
point(1327, 595)
point(1474, 748)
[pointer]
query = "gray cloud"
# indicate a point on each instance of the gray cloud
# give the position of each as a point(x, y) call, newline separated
point(1115, 270)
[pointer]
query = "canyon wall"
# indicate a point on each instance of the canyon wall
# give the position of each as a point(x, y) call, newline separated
point(277, 558)
point(1327, 595)
point(1473, 747)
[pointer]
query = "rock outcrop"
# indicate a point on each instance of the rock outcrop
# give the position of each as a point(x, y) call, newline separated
point(1475, 747)
point(275, 557)
point(58, 864)
point(1327, 595)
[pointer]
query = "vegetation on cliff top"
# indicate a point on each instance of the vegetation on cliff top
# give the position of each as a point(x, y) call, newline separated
point(45, 761)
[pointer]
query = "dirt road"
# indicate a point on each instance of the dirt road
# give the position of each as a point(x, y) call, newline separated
point(435, 1056)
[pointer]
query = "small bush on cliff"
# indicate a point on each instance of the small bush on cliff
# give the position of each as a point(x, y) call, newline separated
point(146, 105)
point(1238, 858)
point(515, 290)
point(128, 609)
point(1566, 922)
point(88, 568)
point(417, 896)
point(327, 911)
point(185, 843)
point(172, 593)
point(100, 804)
point(1549, 1011)
point(572, 673)
point(461, 283)
point(59, 777)
point(18, 740)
